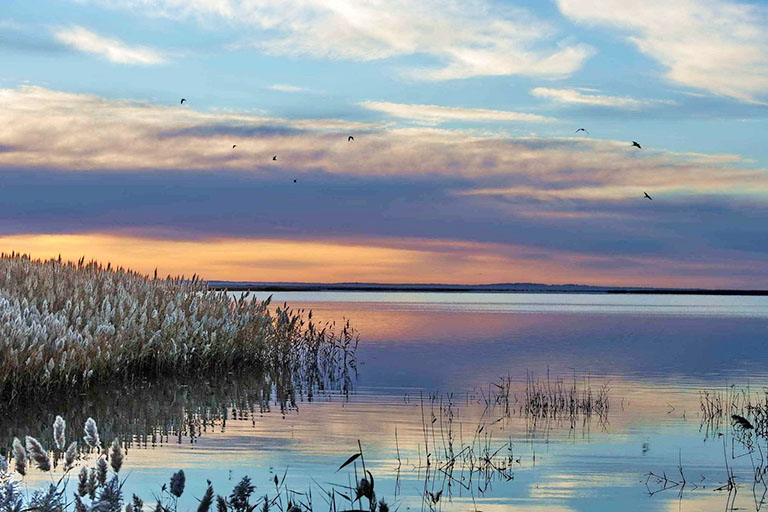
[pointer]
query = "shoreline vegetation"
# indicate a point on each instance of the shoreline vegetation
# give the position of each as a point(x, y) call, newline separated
point(67, 326)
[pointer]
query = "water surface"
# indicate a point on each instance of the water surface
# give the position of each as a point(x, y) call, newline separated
point(428, 364)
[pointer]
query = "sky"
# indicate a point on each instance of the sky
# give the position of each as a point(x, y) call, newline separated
point(466, 166)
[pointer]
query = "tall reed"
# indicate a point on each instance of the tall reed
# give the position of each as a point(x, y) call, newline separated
point(67, 325)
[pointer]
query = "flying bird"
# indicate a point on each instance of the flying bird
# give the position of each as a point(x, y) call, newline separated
point(742, 422)
point(582, 130)
point(646, 195)
point(635, 144)
point(234, 146)
point(183, 100)
point(274, 157)
point(294, 181)
point(350, 138)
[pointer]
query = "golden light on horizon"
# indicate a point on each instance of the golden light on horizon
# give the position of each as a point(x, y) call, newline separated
point(393, 260)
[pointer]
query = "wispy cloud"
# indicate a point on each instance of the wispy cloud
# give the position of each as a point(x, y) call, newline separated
point(292, 88)
point(714, 45)
point(113, 50)
point(435, 114)
point(577, 97)
point(75, 163)
point(37, 123)
point(470, 38)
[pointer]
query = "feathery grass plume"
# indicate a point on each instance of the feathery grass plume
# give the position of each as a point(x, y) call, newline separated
point(265, 504)
point(159, 507)
point(93, 484)
point(293, 508)
point(82, 482)
point(19, 457)
point(3, 464)
point(129, 507)
point(79, 505)
point(115, 323)
point(383, 507)
point(59, 429)
point(207, 499)
point(241, 494)
point(101, 471)
point(11, 495)
point(138, 504)
point(70, 456)
point(221, 504)
point(110, 497)
point(47, 501)
point(91, 437)
point(116, 455)
point(177, 483)
point(38, 454)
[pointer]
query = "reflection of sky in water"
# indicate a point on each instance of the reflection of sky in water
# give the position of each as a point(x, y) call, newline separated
point(655, 352)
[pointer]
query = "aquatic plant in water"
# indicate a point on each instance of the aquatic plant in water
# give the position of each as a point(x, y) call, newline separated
point(100, 489)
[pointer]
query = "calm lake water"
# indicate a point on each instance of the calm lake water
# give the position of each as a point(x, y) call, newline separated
point(448, 371)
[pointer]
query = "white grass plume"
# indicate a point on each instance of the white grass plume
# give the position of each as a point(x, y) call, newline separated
point(116, 455)
point(38, 454)
point(95, 322)
point(70, 456)
point(59, 429)
point(19, 457)
point(91, 437)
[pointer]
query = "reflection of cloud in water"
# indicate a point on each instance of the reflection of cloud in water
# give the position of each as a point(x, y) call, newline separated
point(655, 364)
point(400, 344)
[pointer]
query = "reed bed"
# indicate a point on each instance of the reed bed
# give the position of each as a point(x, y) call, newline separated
point(460, 461)
point(558, 399)
point(69, 325)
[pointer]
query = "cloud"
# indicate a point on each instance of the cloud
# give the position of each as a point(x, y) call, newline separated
point(712, 45)
point(466, 39)
point(76, 163)
point(46, 128)
point(291, 88)
point(577, 97)
point(113, 50)
point(435, 114)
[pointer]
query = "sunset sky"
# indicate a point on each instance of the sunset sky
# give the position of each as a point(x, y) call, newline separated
point(465, 167)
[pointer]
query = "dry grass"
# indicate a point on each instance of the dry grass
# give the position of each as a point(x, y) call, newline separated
point(67, 325)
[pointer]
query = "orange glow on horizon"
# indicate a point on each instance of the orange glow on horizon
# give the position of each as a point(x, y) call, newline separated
point(373, 261)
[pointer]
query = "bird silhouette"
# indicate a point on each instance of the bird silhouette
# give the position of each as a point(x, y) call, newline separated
point(742, 421)
point(350, 138)
point(234, 146)
point(183, 100)
point(582, 130)
point(274, 157)
point(635, 144)
point(646, 195)
point(294, 181)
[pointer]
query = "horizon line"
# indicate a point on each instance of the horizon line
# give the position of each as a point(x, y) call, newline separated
point(519, 287)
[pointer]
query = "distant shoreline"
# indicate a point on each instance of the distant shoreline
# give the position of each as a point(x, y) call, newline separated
point(491, 288)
